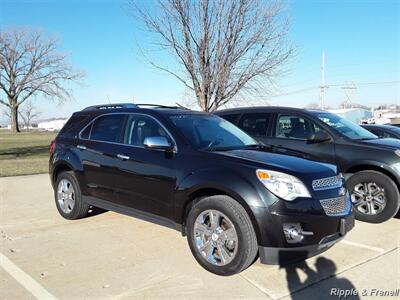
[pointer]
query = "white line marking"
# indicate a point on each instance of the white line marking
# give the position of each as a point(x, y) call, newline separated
point(363, 246)
point(24, 279)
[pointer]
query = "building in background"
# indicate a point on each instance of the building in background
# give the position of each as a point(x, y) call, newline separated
point(52, 125)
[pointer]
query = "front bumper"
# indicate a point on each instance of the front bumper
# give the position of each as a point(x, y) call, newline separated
point(294, 253)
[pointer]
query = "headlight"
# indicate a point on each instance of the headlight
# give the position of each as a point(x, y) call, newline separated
point(283, 185)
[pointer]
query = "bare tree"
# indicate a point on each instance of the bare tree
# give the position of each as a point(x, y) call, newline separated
point(222, 47)
point(28, 113)
point(31, 65)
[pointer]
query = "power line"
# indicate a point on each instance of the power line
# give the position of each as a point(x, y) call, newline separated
point(340, 85)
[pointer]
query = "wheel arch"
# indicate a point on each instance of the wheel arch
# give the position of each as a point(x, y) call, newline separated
point(203, 192)
point(60, 167)
point(368, 167)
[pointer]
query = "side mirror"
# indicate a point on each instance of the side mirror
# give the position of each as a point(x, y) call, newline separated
point(157, 143)
point(319, 137)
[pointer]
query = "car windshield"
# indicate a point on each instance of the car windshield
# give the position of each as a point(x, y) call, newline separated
point(345, 127)
point(209, 132)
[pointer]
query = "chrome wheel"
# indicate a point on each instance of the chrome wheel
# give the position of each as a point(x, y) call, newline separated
point(368, 198)
point(215, 237)
point(66, 196)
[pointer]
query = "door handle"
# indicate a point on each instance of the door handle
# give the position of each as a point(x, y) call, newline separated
point(123, 157)
point(81, 147)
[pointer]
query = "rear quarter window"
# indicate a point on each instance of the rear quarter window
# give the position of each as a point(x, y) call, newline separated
point(73, 125)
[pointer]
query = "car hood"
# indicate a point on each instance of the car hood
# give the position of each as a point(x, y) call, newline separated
point(385, 143)
point(284, 163)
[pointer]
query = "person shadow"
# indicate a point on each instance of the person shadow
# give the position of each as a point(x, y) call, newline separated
point(324, 269)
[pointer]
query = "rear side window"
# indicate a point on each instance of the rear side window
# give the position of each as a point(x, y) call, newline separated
point(107, 128)
point(231, 118)
point(255, 124)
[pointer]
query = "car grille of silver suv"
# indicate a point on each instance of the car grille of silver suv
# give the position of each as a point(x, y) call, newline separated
point(328, 183)
point(336, 206)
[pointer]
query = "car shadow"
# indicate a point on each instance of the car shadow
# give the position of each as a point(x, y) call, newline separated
point(94, 211)
point(324, 269)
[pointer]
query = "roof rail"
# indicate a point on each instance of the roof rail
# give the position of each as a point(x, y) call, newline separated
point(159, 106)
point(111, 106)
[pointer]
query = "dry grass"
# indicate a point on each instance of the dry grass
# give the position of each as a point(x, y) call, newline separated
point(24, 153)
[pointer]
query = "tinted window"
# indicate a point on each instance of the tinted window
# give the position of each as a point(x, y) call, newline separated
point(375, 131)
point(108, 128)
point(74, 124)
point(85, 134)
point(387, 134)
point(140, 127)
point(295, 127)
point(231, 118)
point(254, 124)
point(211, 132)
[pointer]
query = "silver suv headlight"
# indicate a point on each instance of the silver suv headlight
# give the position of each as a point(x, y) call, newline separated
point(283, 185)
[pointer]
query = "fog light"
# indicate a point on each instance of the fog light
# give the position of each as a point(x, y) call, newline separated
point(294, 233)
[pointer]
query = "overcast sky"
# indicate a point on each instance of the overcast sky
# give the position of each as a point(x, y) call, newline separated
point(361, 40)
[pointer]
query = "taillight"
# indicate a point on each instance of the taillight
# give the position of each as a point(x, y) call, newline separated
point(52, 146)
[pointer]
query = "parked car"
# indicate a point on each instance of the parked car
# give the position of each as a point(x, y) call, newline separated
point(371, 165)
point(201, 175)
point(383, 131)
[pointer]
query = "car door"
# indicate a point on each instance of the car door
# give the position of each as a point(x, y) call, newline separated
point(146, 178)
point(98, 144)
point(292, 131)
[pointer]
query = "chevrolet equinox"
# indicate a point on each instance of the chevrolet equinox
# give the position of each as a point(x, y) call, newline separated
point(232, 197)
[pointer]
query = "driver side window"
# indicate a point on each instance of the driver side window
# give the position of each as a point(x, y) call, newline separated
point(294, 127)
point(139, 127)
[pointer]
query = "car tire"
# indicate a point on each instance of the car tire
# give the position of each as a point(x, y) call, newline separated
point(232, 235)
point(68, 197)
point(363, 187)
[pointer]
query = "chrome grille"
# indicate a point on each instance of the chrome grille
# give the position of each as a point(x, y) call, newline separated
point(327, 183)
point(336, 206)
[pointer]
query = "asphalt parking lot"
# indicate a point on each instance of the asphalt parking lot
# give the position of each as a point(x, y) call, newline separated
point(114, 256)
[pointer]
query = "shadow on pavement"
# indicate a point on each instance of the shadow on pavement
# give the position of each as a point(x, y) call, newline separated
point(94, 211)
point(324, 268)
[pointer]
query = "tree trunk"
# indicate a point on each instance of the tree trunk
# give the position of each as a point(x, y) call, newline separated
point(14, 119)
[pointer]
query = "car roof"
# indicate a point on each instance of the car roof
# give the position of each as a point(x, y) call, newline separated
point(136, 108)
point(253, 109)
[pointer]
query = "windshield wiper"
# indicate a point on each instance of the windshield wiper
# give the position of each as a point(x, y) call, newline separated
point(254, 146)
point(366, 139)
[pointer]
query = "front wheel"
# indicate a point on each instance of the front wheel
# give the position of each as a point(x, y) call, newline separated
point(375, 197)
point(221, 235)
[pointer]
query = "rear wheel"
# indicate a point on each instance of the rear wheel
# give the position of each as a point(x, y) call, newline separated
point(221, 235)
point(375, 197)
point(68, 197)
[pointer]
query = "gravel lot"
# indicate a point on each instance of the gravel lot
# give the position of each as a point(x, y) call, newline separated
point(119, 257)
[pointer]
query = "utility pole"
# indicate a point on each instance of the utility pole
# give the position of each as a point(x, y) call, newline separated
point(322, 86)
point(348, 89)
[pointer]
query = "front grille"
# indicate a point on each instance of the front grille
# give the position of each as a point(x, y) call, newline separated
point(336, 206)
point(327, 183)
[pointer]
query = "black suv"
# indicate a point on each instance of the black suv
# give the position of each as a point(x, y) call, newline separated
point(370, 165)
point(201, 175)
